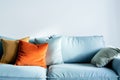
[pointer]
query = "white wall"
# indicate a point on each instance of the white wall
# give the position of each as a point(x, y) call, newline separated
point(19, 18)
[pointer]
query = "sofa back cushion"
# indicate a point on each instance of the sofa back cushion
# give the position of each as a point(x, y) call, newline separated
point(80, 49)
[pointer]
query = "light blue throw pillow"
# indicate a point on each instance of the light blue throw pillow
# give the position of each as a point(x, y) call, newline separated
point(41, 40)
point(54, 54)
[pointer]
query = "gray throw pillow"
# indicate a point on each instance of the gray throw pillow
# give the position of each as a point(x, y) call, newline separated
point(104, 56)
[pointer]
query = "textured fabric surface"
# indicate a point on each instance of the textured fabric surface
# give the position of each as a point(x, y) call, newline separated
point(1, 48)
point(116, 65)
point(21, 72)
point(81, 79)
point(31, 55)
point(54, 55)
point(80, 49)
point(104, 56)
point(10, 50)
point(80, 72)
point(41, 39)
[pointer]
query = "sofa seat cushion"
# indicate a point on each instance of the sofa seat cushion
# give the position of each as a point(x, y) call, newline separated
point(18, 78)
point(80, 72)
point(23, 72)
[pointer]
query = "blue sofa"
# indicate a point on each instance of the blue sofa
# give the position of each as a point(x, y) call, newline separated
point(77, 53)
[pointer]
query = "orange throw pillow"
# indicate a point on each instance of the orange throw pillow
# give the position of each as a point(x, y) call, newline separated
point(31, 55)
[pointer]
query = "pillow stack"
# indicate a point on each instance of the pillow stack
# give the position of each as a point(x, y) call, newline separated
point(21, 52)
point(40, 52)
point(10, 50)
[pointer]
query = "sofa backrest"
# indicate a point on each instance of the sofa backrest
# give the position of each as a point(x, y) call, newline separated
point(81, 48)
point(76, 49)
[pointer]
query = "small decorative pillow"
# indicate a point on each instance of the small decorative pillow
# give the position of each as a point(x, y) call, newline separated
point(104, 56)
point(54, 54)
point(1, 48)
point(31, 55)
point(41, 40)
point(10, 50)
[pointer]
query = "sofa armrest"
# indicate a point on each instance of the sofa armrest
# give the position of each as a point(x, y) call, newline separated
point(116, 65)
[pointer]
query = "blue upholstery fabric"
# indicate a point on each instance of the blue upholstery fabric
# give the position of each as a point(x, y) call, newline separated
point(116, 65)
point(32, 40)
point(41, 40)
point(80, 72)
point(13, 72)
point(1, 49)
point(14, 78)
point(80, 49)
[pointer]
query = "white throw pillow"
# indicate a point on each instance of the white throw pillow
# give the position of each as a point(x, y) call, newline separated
point(54, 53)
